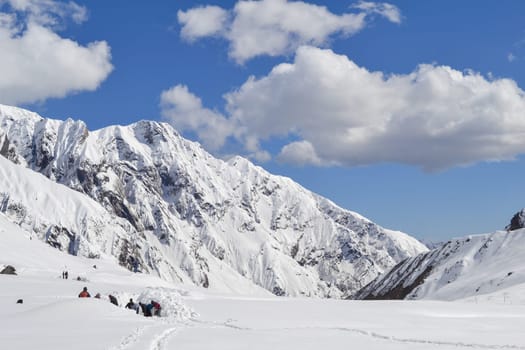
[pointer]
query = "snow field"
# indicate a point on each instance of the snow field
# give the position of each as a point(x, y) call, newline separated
point(53, 318)
point(310, 324)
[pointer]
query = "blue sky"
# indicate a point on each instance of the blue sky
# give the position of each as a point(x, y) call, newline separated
point(409, 112)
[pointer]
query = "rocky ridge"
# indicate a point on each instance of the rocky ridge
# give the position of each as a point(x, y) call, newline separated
point(460, 268)
point(192, 218)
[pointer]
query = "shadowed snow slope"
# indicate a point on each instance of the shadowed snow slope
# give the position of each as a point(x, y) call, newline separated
point(461, 268)
point(162, 204)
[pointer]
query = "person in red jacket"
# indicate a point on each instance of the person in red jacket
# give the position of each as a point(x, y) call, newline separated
point(84, 293)
point(155, 307)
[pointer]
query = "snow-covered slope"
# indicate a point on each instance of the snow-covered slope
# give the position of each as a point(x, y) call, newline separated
point(461, 268)
point(192, 218)
point(73, 222)
point(64, 218)
point(52, 317)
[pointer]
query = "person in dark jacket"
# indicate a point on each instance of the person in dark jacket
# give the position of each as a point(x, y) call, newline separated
point(84, 293)
point(113, 300)
point(133, 306)
point(145, 311)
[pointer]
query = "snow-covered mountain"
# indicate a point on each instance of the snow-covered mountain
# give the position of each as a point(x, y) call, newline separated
point(163, 204)
point(461, 268)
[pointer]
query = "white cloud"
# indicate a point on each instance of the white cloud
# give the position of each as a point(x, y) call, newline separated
point(300, 153)
point(202, 21)
point(276, 27)
point(386, 10)
point(339, 113)
point(260, 156)
point(184, 110)
point(511, 57)
point(36, 63)
point(48, 12)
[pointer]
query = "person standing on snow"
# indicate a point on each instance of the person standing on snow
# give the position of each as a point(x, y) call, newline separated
point(155, 307)
point(84, 293)
point(145, 310)
point(131, 305)
point(113, 300)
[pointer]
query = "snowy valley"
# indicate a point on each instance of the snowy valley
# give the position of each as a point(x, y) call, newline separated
point(53, 317)
point(237, 257)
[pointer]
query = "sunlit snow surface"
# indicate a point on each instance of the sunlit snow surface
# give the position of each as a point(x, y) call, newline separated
point(52, 317)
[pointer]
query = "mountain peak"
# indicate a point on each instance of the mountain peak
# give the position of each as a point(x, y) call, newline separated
point(197, 219)
point(16, 113)
point(517, 221)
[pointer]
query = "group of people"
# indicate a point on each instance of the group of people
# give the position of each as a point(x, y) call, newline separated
point(85, 294)
point(151, 309)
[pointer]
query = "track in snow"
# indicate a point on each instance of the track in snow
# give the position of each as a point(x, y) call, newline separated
point(152, 337)
point(160, 340)
point(426, 342)
point(229, 324)
point(129, 340)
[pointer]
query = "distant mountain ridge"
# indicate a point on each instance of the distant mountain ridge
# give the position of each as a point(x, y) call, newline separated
point(167, 206)
point(460, 268)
